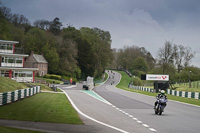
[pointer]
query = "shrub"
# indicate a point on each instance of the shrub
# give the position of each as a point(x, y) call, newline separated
point(137, 73)
point(47, 76)
point(52, 76)
point(57, 77)
point(68, 78)
point(137, 81)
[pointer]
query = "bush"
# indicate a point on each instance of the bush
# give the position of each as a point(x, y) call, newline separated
point(137, 81)
point(137, 73)
point(68, 78)
point(57, 77)
point(51, 76)
point(47, 76)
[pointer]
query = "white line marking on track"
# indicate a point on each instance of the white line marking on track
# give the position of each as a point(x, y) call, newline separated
point(152, 129)
point(135, 119)
point(126, 113)
point(145, 125)
point(139, 121)
point(130, 116)
point(77, 109)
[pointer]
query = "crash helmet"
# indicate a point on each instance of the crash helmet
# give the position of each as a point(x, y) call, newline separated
point(162, 92)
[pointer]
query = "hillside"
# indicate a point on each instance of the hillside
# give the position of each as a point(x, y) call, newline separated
point(7, 85)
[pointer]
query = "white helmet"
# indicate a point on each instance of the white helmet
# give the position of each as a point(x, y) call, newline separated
point(162, 91)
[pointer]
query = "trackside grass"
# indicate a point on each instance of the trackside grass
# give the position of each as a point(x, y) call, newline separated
point(16, 130)
point(7, 84)
point(125, 79)
point(43, 107)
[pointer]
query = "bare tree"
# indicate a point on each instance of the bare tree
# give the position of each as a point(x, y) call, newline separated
point(179, 53)
point(42, 24)
point(189, 54)
point(165, 55)
point(6, 12)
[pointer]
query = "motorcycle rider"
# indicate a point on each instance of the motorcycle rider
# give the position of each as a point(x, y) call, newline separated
point(160, 95)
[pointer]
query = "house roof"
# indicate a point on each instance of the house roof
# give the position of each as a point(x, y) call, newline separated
point(39, 58)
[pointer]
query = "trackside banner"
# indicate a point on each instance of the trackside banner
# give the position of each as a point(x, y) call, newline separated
point(157, 77)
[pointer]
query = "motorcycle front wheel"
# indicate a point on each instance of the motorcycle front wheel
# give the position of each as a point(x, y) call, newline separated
point(160, 111)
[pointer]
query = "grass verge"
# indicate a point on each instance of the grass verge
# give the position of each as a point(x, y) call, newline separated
point(43, 107)
point(7, 84)
point(125, 79)
point(16, 130)
point(42, 86)
point(186, 88)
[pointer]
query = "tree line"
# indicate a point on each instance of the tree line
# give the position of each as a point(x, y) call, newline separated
point(172, 59)
point(69, 51)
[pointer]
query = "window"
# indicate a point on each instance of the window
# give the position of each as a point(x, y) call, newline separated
point(2, 59)
point(6, 46)
point(19, 60)
point(4, 73)
point(9, 47)
point(10, 60)
point(23, 74)
point(6, 59)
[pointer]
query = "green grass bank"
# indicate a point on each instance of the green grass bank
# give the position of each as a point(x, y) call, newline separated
point(43, 107)
point(125, 80)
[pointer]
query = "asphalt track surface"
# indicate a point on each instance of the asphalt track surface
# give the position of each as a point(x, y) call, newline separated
point(133, 112)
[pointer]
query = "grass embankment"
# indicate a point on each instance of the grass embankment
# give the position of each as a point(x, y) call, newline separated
point(16, 130)
point(186, 87)
point(125, 80)
point(43, 107)
point(7, 84)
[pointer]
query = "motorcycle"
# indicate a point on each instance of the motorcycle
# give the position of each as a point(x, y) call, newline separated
point(160, 106)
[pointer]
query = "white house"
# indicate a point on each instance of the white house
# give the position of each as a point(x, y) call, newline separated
point(12, 64)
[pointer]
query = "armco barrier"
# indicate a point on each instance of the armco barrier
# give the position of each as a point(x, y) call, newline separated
point(141, 88)
point(195, 95)
point(9, 97)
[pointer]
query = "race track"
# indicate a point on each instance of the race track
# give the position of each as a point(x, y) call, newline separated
point(131, 112)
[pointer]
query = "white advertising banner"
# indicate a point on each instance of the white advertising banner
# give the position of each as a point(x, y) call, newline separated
point(157, 77)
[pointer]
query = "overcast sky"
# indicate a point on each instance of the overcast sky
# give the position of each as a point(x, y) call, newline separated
point(144, 23)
